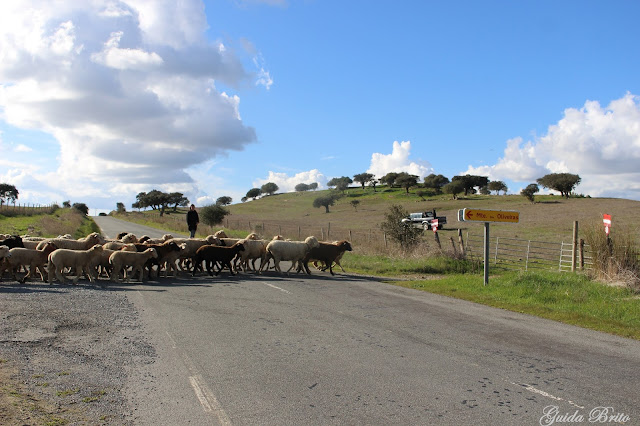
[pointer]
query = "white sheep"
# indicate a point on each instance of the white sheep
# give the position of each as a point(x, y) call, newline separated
point(294, 251)
point(23, 257)
point(80, 244)
point(137, 260)
point(129, 239)
point(101, 264)
point(253, 250)
point(79, 260)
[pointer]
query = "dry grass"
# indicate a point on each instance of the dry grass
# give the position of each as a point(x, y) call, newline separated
point(616, 259)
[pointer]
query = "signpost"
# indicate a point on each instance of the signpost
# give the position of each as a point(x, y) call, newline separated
point(606, 219)
point(488, 216)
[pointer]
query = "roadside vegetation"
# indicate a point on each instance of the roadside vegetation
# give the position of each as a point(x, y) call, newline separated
point(59, 221)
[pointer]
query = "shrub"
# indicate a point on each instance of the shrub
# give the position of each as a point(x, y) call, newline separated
point(405, 235)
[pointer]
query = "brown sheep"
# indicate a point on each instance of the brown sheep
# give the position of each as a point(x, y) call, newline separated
point(213, 254)
point(327, 253)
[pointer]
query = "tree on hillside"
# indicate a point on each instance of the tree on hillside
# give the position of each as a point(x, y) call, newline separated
point(325, 201)
point(497, 185)
point(213, 214)
point(120, 208)
point(177, 199)
point(374, 182)
point(406, 181)
point(158, 200)
point(66, 204)
point(301, 187)
point(530, 191)
point(313, 186)
point(269, 188)
point(389, 179)
point(82, 208)
point(8, 193)
point(561, 182)
point(363, 178)
point(224, 200)
point(435, 182)
point(454, 188)
point(469, 182)
point(354, 204)
point(341, 183)
point(253, 193)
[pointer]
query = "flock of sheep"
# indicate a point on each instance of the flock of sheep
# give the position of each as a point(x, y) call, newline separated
point(129, 256)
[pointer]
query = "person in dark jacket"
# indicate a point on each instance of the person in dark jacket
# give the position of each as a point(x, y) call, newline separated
point(193, 220)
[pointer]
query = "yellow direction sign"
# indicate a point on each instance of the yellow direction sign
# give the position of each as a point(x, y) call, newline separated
point(490, 215)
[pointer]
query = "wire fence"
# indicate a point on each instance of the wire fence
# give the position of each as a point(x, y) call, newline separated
point(25, 209)
point(520, 254)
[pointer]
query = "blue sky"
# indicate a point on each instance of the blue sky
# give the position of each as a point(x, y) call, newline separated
point(101, 101)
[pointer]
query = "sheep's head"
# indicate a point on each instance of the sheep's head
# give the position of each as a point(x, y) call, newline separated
point(167, 237)
point(152, 252)
point(95, 238)
point(220, 234)
point(129, 238)
point(49, 247)
point(4, 252)
point(144, 239)
point(312, 241)
point(96, 248)
point(172, 245)
point(212, 239)
point(253, 236)
point(346, 245)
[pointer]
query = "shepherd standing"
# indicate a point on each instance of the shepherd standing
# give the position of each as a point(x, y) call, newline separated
point(193, 220)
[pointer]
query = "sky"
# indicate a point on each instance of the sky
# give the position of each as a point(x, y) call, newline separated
point(103, 99)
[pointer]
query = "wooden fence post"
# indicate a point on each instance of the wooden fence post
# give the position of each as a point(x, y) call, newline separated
point(453, 244)
point(461, 242)
point(574, 246)
point(581, 254)
point(384, 235)
point(437, 240)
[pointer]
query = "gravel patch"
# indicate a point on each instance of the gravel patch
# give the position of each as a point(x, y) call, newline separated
point(66, 353)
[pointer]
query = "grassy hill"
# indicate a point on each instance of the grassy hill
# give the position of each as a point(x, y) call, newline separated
point(550, 218)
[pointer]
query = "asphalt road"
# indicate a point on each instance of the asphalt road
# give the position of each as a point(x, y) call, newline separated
point(275, 350)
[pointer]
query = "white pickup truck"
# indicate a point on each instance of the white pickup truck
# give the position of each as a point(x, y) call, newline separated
point(423, 220)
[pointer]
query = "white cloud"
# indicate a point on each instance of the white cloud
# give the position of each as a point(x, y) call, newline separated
point(127, 89)
point(398, 161)
point(288, 183)
point(22, 148)
point(601, 145)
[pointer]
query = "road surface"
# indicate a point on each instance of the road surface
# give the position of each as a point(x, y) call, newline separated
point(277, 349)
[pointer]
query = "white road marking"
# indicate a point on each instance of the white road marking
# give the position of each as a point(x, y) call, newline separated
point(208, 400)
point(205, 395)
point(545, 394)
point(277, 288)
